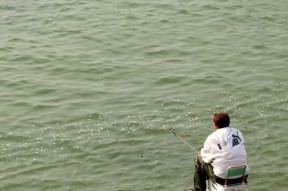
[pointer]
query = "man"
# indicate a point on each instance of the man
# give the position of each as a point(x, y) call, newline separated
point(222, 149)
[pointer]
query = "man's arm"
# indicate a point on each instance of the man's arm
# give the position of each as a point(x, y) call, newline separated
point(206, 152)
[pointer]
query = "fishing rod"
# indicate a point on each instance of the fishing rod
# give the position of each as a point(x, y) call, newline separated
point(185, 142)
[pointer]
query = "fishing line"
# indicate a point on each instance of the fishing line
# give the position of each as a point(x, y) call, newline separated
point(192, 136)
point(184, 142)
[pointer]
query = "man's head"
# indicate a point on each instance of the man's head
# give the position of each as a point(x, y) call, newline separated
point(221, 120)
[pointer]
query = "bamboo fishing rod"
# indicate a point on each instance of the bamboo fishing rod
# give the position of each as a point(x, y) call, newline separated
point(185, 142)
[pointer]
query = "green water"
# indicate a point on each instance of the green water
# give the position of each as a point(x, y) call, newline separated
point(91, 90)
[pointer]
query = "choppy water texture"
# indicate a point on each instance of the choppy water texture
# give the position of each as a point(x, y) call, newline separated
point(91, 90)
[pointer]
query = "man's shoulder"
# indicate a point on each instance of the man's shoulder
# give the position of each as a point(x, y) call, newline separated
point(212, 135)
point(237, 131)
point(229, 129)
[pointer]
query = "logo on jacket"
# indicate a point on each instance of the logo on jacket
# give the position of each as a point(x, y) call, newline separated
point(236, 140)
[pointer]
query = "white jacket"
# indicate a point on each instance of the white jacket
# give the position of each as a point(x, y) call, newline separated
point(224, 148)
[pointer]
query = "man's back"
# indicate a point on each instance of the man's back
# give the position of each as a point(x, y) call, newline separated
point(224, 148)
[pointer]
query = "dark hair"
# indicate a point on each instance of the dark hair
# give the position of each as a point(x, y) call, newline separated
point(221, 119)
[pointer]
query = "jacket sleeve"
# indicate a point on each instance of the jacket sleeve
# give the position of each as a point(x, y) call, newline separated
point(206, 151)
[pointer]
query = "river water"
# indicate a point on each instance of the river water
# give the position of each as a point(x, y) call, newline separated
point(91, 90)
